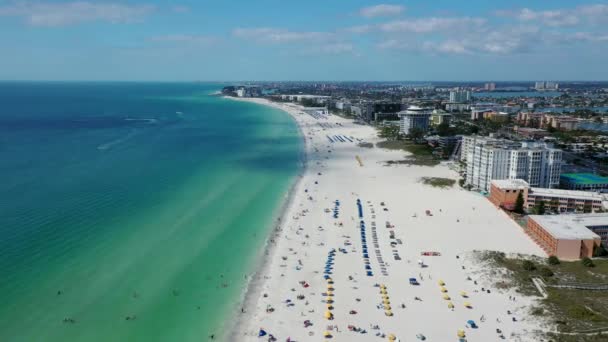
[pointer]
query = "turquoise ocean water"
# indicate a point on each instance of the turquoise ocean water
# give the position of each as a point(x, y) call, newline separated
point(132, 212)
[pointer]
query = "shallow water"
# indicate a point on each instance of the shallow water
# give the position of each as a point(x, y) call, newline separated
point(138, 230)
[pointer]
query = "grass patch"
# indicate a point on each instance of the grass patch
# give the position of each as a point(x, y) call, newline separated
point(366, 145)
point(421, 154)
point(569, 309)
point(438, 182)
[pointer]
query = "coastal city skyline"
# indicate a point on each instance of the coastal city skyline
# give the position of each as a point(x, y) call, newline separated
point(272, 40)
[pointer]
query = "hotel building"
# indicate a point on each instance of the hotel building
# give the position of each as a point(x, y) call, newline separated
point(489, 159)
point(414, 118)
point(568, 237)
point(504, 193)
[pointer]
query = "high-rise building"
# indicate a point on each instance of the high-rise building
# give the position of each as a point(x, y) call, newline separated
point(489, 86)
point(539, 85)
point(414, 118)
point(460, 96)
point(489, 159)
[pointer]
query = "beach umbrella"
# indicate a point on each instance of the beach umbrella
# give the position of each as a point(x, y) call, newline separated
point(387, 307)
point(443, 289)
point(460, 333)
point(388, 313)
point(369, 273)
point(464, 294)
point(326, 277)
point(329, 299)
point(446, 297)
point(467, 305)
point(383, 291)
point(330, 288)
point(382, 286)
point(329, 281)
point(262, 333)
point(327, 334)
point(450, 305)
point(386, 301)
point(330, 307)
point(392, 337)
point(328, 314)
point(384, 296)
point(471, 322)
point(368, 267)
point(441, 282)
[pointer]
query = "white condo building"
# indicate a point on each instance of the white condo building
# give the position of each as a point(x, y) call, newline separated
point(489, 159)
point(414, 118)
point(460, 96)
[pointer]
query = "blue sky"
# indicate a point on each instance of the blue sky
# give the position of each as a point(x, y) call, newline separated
point(303, 40)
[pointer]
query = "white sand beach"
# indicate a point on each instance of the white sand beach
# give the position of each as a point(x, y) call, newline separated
point(290, 288)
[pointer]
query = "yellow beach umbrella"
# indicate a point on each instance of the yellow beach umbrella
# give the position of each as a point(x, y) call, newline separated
point(441, 282)
point(460, 333)
point(443, 289)
point(387, 307)
point(386, 301)
point(467, 305)
point(329, 279)
point(392, 337)
point(446, 297)
point(327, 334)
point(330, 292)
point(329, 300)
point(330, 307)
point(450, 305)
point(330, 288)
point(464, 294)
point(328, 314)
point(388, 312)
point(384, 295)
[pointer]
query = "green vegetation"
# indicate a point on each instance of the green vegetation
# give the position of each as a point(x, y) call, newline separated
point(528, 265)
point(587, 262)
point(422, 154)
point(438, 182)
point(570, 310)
point(539, 208)
point(553, 260)
point(519, 204)
point(389, 132)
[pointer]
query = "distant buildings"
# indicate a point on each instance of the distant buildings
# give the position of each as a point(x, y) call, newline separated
point(531, 133)
point(414, 118)
point(300, 97)
point(504, 193)
point(489, 159)
point(460, 96)
point(546, 85)
point(568, 237)
point(546, 120)
point(489, 86)
point(439, 117)
point(584, 181)
point(376, 111)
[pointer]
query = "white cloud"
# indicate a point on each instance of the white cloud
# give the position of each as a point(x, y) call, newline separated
point(278, 36)
point(359, 29)
point(185, 39)
point(582, 15)
point(382, 10)
point(38, 13)
point(433, 24)
point(503, 41)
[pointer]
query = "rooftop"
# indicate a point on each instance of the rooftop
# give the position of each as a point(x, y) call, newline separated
point(582, 195)
point(571, 227)
point(584, 178)
point(519, 184)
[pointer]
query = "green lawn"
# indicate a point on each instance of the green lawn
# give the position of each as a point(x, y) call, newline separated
point(422, 154)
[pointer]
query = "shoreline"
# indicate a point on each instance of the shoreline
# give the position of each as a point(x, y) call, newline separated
point(253, 289)
point(403, 218)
